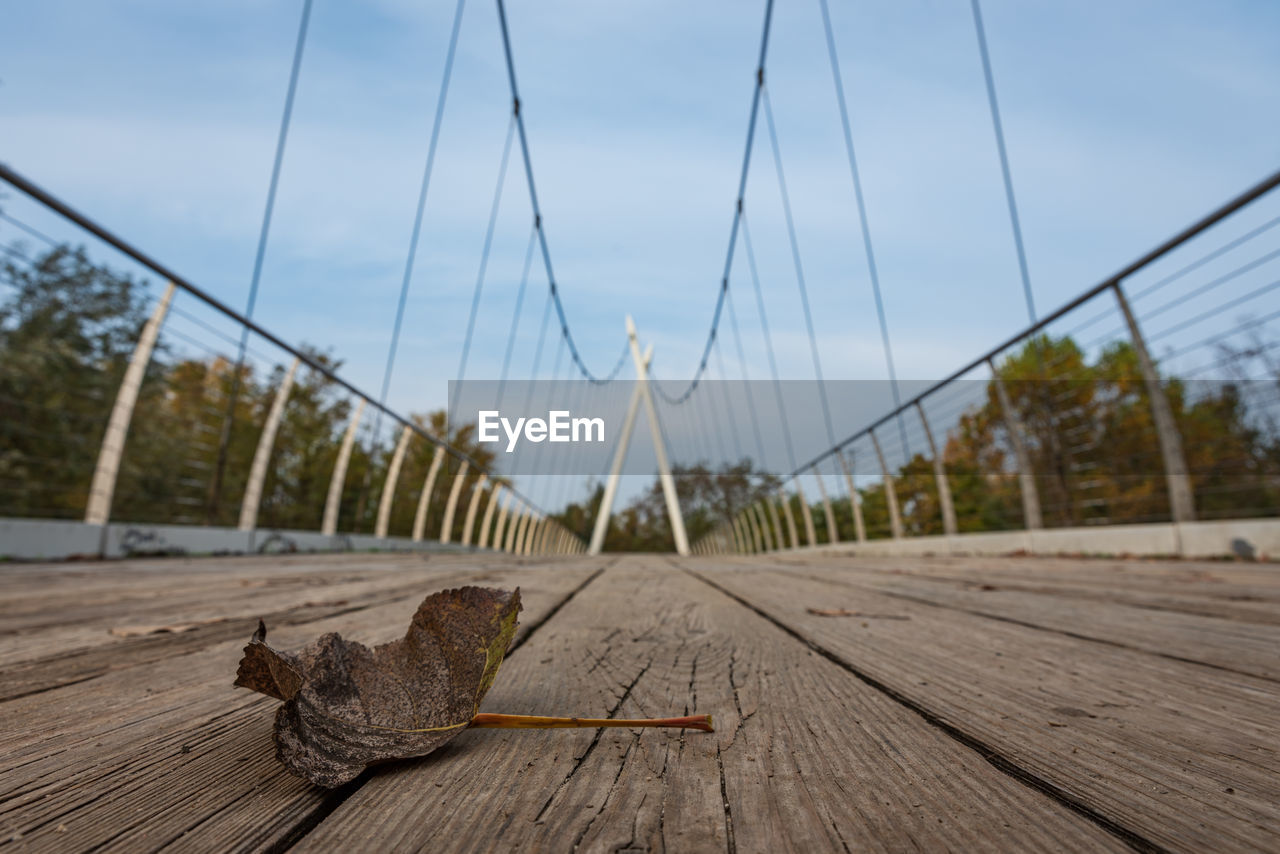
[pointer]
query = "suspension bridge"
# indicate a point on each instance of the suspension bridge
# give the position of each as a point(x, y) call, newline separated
point(1030, 605)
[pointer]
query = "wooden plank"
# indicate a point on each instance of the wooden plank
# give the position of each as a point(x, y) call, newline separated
point(138, 757)
point(806, 757)
point(77, 608)
point(1184, 755)
point(1249, 592)
point(1241, 644)
point(107, 593)
point(86, 646)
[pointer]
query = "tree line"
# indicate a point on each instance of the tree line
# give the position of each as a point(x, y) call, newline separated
point(68, 327)
point(1089, 435)
point(67, 330)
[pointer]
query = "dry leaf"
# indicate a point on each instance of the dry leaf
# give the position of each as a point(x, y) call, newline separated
point(347, 706)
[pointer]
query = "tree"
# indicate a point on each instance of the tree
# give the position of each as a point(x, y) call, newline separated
point(707, 498)
point(67, 330)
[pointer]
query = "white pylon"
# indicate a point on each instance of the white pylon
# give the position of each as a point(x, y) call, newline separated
point(641, 393)
point(619, 458)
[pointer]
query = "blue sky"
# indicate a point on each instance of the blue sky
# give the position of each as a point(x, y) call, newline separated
point(1124, 122)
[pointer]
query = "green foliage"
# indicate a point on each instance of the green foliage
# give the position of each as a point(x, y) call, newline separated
point(706, 497)
point(68, 328)
point(67, 331)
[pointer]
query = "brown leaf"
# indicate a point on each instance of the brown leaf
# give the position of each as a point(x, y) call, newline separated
point(347, 706)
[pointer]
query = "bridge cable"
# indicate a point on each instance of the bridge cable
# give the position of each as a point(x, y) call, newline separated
point(728, 404)
point(416, 231)
point(537, 353)
point(768, 339)
point(537, 213)
point(795, 257)
point(484, 262)
point(746, 379)
point(872, 270)
point(718, 429)
point(577, 394)
point(1004, 160)
point(224, 440)
point(742, 187)
point(515, 317)
point(36, 233)
point(554, 386)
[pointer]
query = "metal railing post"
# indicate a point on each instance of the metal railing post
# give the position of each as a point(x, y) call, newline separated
point(103, 487)
point(940, 474)
point(775, 521)
point(833, 535)
point(389, 487)
point(757, 544)
point(859, 527)
point(495, 495)
point(509, 541)
point(536, 531)
point(500, 527)
point(329, 526)
point(451, 506)
point(539, 535)
point(518, 532)
point(766, 534)
point(517, 529)
point(1181, 499)
point(262, 456)
point(424, 500)
point(526, 538)
point(526, 535)
point(806, 515)
point(792, 534)
point(891, 497)
point(469, 523)
point(1032, 520)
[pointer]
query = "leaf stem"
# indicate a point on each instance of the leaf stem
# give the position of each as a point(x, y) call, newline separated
point(702, 722)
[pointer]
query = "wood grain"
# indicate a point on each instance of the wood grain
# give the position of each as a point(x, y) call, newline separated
point(1182, 754)
point(141, 757)
point(985, 704)
point(806, 757)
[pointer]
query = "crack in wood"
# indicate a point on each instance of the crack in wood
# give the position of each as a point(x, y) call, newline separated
point(579, 760)
point(999, 761)
point(335, 799)
point(731, 846)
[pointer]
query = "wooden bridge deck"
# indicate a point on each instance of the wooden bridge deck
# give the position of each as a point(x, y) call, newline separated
point(923, 704)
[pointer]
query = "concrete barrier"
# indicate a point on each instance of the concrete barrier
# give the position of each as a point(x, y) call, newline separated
point(1255, 539)
point(52, 539)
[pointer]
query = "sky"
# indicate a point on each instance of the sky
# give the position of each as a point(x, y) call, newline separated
point(1124, 121)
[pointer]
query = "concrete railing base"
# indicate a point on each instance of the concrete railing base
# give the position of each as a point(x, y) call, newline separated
point(1250, 539)
point(53, 539)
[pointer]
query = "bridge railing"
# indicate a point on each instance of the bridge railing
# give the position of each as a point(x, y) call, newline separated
point(139, 414)
point(1144, 416)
